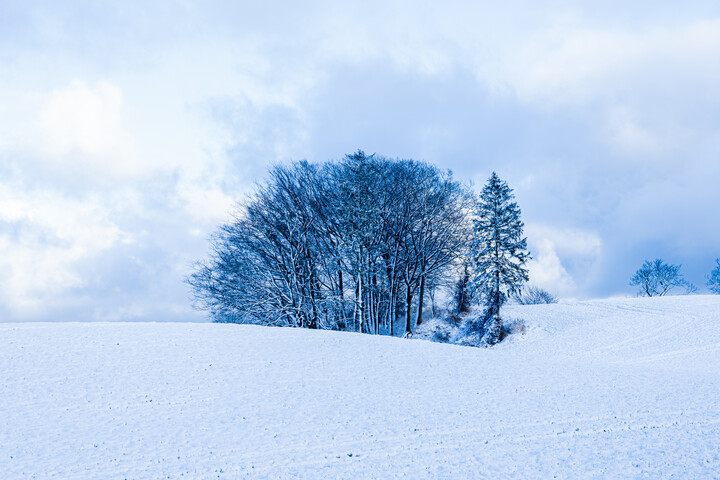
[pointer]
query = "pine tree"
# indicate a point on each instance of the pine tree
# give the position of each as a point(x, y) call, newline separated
point(462, 296)
point(498, 252)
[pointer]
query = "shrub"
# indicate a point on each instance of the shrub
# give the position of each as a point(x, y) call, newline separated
point(514, 327)
point(442, 330)
point(535, 296)
point(470, 334)
point(469, 331)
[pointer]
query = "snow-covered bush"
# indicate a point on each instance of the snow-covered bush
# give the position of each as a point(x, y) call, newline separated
point(514, 327)
point(472, 332)
point(535, 296)
point(466, 330)
point(442, 329)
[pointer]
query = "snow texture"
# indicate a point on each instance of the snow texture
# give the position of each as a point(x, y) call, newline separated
point(620, 388)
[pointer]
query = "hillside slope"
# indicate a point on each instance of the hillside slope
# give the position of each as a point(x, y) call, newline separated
point(619, 388)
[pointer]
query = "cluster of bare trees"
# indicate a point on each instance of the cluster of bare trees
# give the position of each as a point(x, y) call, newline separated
point(357, 244)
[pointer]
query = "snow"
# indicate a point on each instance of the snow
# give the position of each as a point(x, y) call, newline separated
point(618, 388)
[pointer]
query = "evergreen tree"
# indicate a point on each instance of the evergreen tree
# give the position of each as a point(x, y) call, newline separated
point(714, 278)
point(462, 297)
point(498, 252)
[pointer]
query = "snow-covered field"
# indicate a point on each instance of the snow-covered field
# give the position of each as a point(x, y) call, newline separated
point(620, 388)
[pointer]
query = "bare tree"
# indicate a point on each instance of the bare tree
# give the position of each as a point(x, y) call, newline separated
point(713, 280)
point(656, 278)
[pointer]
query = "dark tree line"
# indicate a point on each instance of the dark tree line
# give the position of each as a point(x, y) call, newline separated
point(357, 244)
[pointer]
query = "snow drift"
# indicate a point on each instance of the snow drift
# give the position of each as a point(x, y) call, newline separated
point(620, 388)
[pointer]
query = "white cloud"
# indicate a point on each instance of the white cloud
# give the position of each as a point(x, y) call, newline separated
point(83, 214)
point(82, 127)
point(207, 206)
point(562, 257)
point(43, 237)
point(546, 270)
point(571, 64)
point(82, 118)
point(626, 133)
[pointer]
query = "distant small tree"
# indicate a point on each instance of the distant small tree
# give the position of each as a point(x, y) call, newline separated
point(656, 278)
point(535, 296)
point(714, 279)
point(499, 253)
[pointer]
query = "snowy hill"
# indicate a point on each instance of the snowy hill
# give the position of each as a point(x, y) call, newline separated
point(620, 388)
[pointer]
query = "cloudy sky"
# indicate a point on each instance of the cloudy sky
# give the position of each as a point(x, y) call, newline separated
point(129, 129)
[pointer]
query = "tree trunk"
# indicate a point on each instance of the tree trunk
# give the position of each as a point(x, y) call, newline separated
point(341, 291)
point(408, 311)
point(314, 321)
point(356, 321)
point(493, 323)
point(431, 292)
point(392, 309)
point(376, 303)
point(361, 306)
point(463, 296)
point(391, 306)
point(420, 302)
point(493, 330)
point(340, 281)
